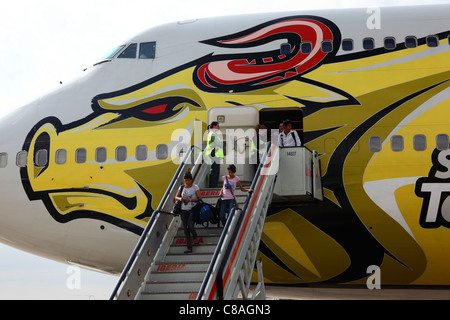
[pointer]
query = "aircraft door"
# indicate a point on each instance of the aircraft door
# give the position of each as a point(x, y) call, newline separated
point(273, 117)
point(237, 125)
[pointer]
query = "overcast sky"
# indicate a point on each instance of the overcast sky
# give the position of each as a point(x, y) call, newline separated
point(47, 41)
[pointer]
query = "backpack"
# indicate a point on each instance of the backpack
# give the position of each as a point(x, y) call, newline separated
point(204, 213)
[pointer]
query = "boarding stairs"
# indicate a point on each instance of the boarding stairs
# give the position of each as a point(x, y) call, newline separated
point(222, 265)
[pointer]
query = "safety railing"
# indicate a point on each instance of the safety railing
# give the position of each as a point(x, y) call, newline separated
point(146, 248)
point(238, 245)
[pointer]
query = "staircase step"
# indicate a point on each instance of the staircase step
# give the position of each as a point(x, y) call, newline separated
point(202, 248)
point(172, 286)
point(178, 275)
point(188, 258)
point(210, 195)
point(190, 295)
point(177, 267)
point(202, 240)
point(202, 232)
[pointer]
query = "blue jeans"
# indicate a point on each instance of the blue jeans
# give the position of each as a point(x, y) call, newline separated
point(225, 207)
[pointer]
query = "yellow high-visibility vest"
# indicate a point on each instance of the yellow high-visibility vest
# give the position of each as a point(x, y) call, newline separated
point(254, 150)
point(214, 147)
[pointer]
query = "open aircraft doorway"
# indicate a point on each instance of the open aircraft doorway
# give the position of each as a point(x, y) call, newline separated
point(272, 118)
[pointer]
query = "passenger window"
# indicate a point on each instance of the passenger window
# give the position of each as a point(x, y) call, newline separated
point(306, 47)
point(3, 159)
point(327, 46)
point(121, 153)
point(162, 151)
point(285, 48)
point(397, 143)
point(21, 158)
point(411, 42)
point(368, 43)
point(147, 50)
point(432, 41)
point(347, 44)
point(141, 152)
point(100, 154)
point(41, 159)
point(389, 43)
point(442, 142)
point(420, 142)
point(61, 156)
point(375, 144)
point(130, 52)
point(80, 155)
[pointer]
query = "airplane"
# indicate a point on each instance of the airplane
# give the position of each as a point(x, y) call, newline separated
point(83, 168)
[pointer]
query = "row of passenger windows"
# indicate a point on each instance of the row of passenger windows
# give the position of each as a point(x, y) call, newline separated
point(162, 151)
point(389, 43)
point(419, 143)
point(61, 155)
point(147, 50)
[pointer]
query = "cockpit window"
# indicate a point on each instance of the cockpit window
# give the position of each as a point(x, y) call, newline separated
point(147, 50)
point(113, 52)
point(130, 52)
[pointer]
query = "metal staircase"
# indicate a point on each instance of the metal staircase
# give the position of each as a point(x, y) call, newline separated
point(176, 275)
point(231, 269)
point(221, 266)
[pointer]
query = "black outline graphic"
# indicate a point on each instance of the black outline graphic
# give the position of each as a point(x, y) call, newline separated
point(294, 39)
point(169, 108)
point(363, 252)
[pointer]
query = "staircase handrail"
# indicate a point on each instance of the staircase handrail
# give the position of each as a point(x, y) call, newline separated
point(148, 227)
point(217, 276)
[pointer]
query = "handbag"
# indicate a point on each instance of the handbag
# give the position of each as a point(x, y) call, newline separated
point(218, 204)
point(231, 190)
point(177, 206)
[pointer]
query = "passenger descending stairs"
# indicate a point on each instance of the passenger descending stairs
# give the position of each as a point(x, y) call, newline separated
point(220, 267)
point(176, 275)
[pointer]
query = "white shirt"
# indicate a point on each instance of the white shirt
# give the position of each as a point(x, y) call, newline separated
point(189, 193)
point(289, 140)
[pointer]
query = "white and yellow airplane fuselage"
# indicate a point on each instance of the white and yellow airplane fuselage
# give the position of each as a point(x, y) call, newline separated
point(83, 168)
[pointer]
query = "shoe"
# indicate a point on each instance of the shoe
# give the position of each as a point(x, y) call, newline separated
point(188, 251)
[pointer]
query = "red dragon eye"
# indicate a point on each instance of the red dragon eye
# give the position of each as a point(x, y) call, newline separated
point(156, 109)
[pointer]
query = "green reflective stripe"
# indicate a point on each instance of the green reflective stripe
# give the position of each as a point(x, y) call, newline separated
point(262, 146)
point(219, 153)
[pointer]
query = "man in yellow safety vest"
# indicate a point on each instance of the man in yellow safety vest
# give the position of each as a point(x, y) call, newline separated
point(214, 152)
point(258, 145)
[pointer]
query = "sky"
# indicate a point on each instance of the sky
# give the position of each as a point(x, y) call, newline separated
point(47, 41)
